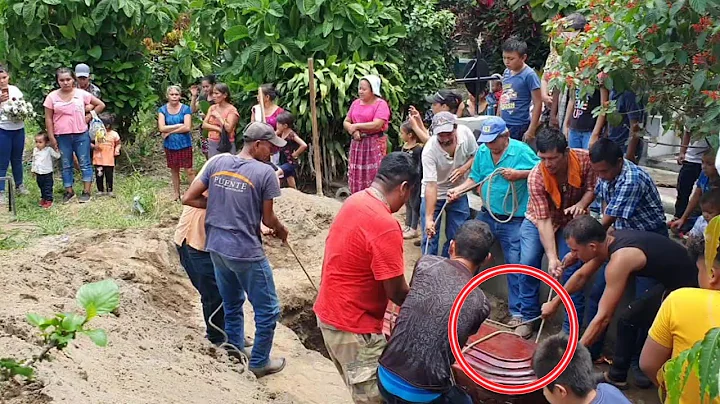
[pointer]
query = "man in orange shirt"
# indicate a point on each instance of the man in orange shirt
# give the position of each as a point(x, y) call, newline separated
point(363, 267)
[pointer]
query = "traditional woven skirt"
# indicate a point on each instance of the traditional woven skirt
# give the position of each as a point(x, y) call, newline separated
point(365, 157)
point(182, 158)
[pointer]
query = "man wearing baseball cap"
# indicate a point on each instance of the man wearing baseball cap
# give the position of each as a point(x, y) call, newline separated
point(82, 72)
point(446, 159)
point(503, 165)
point(241, 190)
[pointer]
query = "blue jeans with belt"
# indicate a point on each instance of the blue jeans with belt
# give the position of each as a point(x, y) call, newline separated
point(579, 139)
point(234, 279)
point(12, 145)
point(78, 144)
point(508, 235)
point(456, 212)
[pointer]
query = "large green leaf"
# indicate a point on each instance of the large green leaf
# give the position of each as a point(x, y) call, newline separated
point(29, 12)
point(699, 79)
point(101, 10)
point(709, 366)
point(72, 322)
point(95, 52)
point(236, 33)
point(99, 337)
point(99, 297)
point(698, 6)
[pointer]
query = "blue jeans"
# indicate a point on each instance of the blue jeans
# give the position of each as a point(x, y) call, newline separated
point(78, 144)
point(531, 254)
point(457, 213)
point(578, 139)
point(234, 279)
point(201, 272)
point(508, 234)
point(12, 145)
point(517, 132)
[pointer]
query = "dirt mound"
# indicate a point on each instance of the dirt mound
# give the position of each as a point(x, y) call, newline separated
point(156, 353)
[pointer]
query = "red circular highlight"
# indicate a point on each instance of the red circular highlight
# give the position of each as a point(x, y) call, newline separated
point(504, 270)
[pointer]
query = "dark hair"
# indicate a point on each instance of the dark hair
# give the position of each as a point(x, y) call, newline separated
point(407, 127)
point(107, 118)
point(711, 198)
point(473, 241)
point(223, 88)
point(451, 99)
point(397, 167)
point(576, 21)
point(64, 70)
point(549, 139)
point(269, 90)
point(286, 118)
point(696, 247)
point(44, 135)
point(4, 69)
point(585, 229)
point(605, 150)
point(210, 79)
point(513, 44)
point(578, 377)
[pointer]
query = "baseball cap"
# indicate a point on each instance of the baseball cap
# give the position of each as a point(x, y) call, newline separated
point(443, 122)
point(263, 131)
point(82, 70)
point(491, 128)
point(444, 97)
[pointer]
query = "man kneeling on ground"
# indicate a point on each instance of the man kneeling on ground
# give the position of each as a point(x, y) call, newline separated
point(415, 366)
point(577, 383)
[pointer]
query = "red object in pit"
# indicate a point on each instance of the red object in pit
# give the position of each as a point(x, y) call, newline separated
point(504, 359)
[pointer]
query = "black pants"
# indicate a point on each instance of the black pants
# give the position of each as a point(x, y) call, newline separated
point(634, 319)
point(45, 183)
point(454, 396)
point(412, 210)
point(689, 173)
point(201, 272)
point(106, 173)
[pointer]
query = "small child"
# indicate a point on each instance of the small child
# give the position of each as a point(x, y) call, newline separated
point(709, 179)
point(576, 384)
point(710, 206)
point(42, 166)
point(493, 97)
point(413, 147)
point(105, 151)
point(521, 90)
point(293, 149)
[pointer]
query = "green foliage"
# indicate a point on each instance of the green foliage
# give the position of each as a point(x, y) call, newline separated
point(335, 84)
point(9, 368)
point(667, 53)
point(703, 360)
point(106, 34)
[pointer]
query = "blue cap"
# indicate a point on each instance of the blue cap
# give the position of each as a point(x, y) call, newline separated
point(492, 127)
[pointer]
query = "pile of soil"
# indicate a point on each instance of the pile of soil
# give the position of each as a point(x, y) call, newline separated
point(156, 351)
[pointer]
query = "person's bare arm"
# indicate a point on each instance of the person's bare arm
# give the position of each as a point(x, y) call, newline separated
point(184, 127)
point(568, 112)
point(302, 146)
point(430, 202)
point(462, 170)
point(230, 123)
point(206, 122)
point(418, 127)
point(600, 122)
point(456, 192)
point(375, 125)
point(396, 289)
point(194, 195)
point(576, 283)
point(164, 129)
point(272, 222)
point(554, 109)
point(623, 263)
point(652, 358)
point(692, 205)
point(547, 239)
point(536, 113)
point(98, 106)
point(49, 128)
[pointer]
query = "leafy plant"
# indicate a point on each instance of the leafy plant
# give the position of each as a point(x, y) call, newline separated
point(668, 53)
point(703, 359)
point(106, 34)
point(59, 330)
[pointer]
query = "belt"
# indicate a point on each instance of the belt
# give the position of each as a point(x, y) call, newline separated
point(500, 217)
point(364, 135)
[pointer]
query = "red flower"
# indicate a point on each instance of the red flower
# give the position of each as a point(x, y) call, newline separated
point(588, 28)
point(631, 5)
point(653, 29)
point(652, 98)
point(608, 19)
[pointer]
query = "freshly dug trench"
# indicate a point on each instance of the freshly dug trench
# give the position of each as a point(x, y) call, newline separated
point(303, 322)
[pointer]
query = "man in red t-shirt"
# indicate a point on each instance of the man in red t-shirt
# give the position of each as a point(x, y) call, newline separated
point(363, 268)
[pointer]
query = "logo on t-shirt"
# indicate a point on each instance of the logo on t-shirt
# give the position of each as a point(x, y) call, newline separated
point(231, 181)
point(580, 105)
point(507, 100)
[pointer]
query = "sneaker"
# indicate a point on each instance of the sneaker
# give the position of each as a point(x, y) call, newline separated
point(524, 331)
point(620, 384)
point(410, 234)
point(110, 194)
point(99, 194)
point(21, 190)
point(640, 380)
point(274, 366)
point(84, 197)
point(48, 204)
point(68, 196)
point(41, 203)
point(514, 322)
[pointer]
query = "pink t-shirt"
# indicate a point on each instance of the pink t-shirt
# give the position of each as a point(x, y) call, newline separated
point(361, 113)
point(68, 117)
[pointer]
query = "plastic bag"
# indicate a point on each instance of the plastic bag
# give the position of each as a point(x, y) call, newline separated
point(97, 128)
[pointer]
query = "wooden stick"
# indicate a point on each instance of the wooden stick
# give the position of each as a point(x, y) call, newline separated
point(261, 104)
point(315, 135)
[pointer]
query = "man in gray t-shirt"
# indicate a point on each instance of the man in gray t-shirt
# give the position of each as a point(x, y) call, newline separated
point(241, 190)
point(447, 158)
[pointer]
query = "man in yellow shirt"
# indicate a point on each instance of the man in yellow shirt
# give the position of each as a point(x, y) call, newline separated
point(684, 318)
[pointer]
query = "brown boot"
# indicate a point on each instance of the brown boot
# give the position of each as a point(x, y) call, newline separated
point(274, 366)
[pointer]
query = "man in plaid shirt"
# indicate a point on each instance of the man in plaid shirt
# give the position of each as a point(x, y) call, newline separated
point(561, 187)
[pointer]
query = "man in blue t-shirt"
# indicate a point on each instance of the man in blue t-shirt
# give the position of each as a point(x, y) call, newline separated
point(521, 90)
point(632, 113)
point(577, 383)
point(241, 190)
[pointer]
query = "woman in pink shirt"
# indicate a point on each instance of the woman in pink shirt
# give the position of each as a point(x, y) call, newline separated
point(366, 121)
point(67, 114)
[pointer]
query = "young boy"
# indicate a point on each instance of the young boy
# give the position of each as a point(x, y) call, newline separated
point(293, 149)
point(521, 89)
point(577, 383)
point(42, 166)
point(684, 318)
point(710, 206)
point(708, 180)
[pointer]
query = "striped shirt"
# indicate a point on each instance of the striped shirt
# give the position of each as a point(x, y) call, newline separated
point(632, 198)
